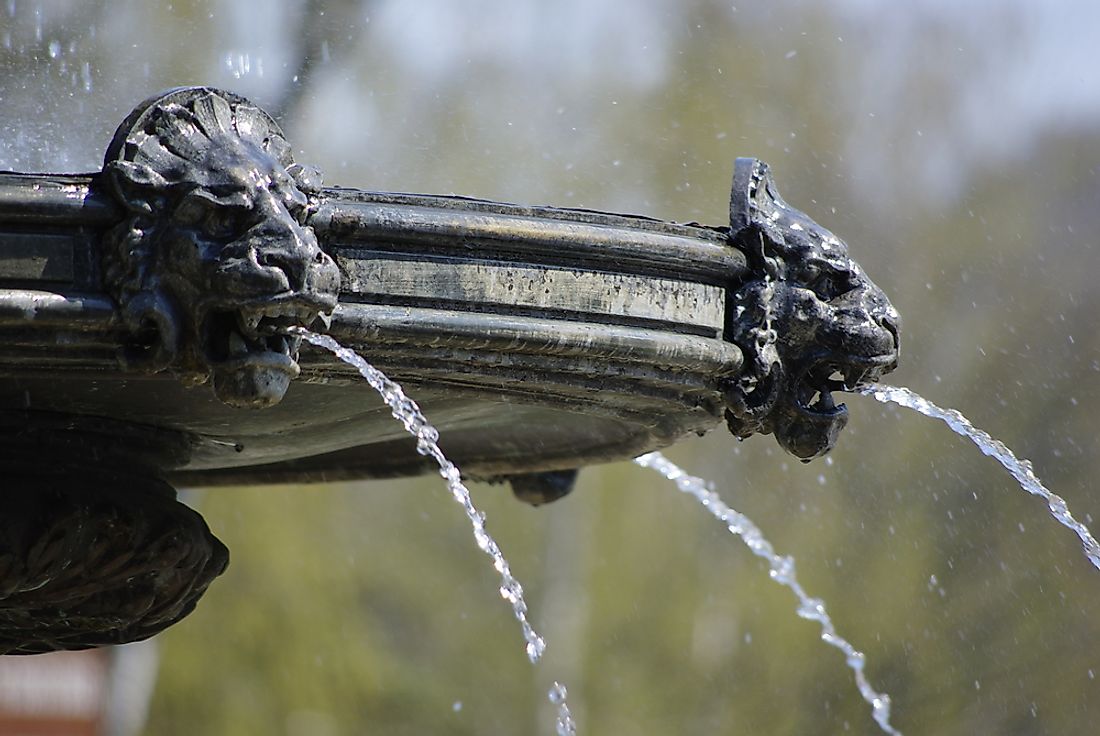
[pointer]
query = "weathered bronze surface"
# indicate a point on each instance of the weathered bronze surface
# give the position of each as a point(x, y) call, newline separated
point(142, 309)
point(214, 246)
point(94, 547)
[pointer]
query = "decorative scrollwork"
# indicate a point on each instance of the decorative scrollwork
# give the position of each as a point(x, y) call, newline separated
point(215, 257)
point(90, 557)
point(809, 323)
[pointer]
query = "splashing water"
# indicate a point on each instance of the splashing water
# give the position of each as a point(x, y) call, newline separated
point(406, 411)
point(781, 571)
point(1019, 469)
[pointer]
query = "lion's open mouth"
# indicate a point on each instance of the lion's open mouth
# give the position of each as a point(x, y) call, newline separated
point(258, 334)
point(251, 354)
point(814, 387)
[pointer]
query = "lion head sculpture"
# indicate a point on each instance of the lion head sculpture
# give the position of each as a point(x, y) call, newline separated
point(215, 258)
point(809, 321)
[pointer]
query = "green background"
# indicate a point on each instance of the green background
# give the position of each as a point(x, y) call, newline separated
point(955, 149)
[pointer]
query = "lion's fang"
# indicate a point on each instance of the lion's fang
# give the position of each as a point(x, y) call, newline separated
point(237, 346)
point(250, 322)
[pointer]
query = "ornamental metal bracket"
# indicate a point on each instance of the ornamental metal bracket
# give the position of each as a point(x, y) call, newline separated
point(143, 318)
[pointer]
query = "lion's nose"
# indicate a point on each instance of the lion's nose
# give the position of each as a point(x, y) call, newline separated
point(864, 325)
point(891, 322)
point(322, 277)
point(305, 269)
point(281, 268)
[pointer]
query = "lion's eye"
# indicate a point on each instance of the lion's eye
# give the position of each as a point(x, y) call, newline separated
point(831, 284)
point(221, 223)
point(189, 213)
point(300, 215)
point(217, 221)
point(821, 282)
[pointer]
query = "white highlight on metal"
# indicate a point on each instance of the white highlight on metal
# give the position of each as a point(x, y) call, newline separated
point(513, 285)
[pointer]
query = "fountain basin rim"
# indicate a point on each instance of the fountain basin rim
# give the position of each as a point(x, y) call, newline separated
point(30, 317)
point(451, 225)
point(620, 389)
point(433, 223)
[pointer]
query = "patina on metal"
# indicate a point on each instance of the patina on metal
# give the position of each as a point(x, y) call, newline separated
point(143, 311)
point(94, 547)
point(215, 247)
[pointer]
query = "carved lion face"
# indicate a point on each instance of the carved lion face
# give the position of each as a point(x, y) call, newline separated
point(216, 259)
point(812, 324)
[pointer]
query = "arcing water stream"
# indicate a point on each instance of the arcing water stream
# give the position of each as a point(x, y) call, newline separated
point(1019, 469)
point(406, 411)
point(781, 571)
point(781, 568)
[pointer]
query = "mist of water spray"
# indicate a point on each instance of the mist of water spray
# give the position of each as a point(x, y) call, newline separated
point(781, 569)
point(408, 413)
point(1019, 469)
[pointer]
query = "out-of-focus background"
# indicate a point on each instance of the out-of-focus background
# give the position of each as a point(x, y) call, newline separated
point(954, 146)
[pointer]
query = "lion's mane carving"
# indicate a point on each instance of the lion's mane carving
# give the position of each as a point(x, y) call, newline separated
point(215, 257)
point(810, 323)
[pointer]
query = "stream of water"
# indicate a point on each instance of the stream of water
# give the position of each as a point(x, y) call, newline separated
point(781, 569)
point(1019, 469)
point(408, 413)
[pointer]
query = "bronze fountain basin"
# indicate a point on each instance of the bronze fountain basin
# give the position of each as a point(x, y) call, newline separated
point(144, 312)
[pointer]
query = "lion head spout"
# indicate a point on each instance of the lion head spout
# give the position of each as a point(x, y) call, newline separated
point(809, 321)
point(215, 258)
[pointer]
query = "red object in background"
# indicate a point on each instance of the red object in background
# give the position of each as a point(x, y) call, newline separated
point(58, 694)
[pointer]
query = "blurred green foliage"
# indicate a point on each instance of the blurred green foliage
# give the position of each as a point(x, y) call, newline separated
point(367, 608)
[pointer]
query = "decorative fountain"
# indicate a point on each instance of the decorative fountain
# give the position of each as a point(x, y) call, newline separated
point(150, 317)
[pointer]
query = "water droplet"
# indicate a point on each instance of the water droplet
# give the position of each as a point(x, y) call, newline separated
point(558, 693)
point(55, 49)
point(812, 608)
point(535, 648)
point(565, 724)
point(782, 569)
